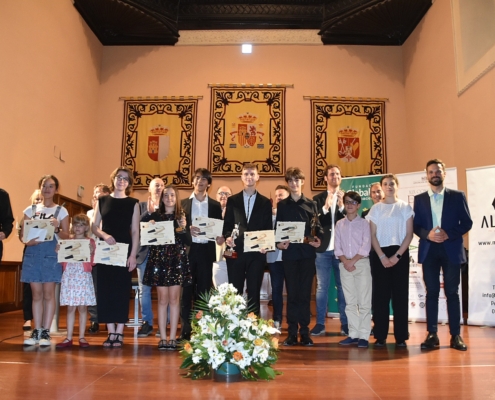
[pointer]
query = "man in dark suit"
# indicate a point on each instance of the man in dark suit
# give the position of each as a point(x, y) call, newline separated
point(251, 211)
point(441, 218)
point(330, 205)
point(202, 253)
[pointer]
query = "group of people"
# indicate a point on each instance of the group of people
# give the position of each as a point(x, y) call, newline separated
point(368, 257)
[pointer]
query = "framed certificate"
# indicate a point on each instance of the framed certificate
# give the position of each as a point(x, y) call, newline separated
point(158, 233)
point(291, 231)
point(76, 250)
point(115, 254)
point(39, 229)
point(257, 240)
point(210, 228)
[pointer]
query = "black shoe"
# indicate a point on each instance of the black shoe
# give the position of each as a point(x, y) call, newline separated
point(431, 342)
point(184, 336)
point(306, 340)
point(94, 328)
point(145, 330)
point(457, 343)
point(380, 343)
point(402, 345)
point(291, 340)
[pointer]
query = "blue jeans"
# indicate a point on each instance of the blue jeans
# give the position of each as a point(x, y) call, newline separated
point(144, 294)
point(277, 277)
point(435, 259)
point(325, 264)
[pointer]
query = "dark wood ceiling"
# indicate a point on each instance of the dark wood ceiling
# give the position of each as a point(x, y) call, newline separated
point(158, 22)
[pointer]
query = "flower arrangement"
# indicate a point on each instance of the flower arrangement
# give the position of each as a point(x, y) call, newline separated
point(224, 330)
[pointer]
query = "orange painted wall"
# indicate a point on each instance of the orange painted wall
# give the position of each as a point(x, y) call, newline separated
point(441, 124)
point(49, 80)
point(314, 70)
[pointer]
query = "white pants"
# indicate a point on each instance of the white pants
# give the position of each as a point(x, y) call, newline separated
point(357, 292)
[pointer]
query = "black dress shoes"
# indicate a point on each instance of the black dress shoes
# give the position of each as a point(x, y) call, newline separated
point(457, 343)
point(291, 340)
point(431, 342)
point(94, 328)
point(306, 340)
point(380, 343)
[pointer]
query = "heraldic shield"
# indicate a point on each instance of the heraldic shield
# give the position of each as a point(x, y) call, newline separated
point(158, 143)
point(348, 145)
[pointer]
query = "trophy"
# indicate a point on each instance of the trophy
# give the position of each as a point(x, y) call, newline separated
point(180, 229)
point(313, 225)
point(230, 252)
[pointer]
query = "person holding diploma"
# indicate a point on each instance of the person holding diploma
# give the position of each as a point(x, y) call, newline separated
point(168, 267)
point(202, 253)
point(299, 258)
point(39, 265)
point(251, 211)
point(118, 216)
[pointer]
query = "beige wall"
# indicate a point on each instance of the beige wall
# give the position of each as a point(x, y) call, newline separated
point(457, 129)
point(49, 78)
point(314, 70)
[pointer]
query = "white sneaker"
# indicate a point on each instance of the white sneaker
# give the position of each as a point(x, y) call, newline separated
point(33, 339)
point(45, 338)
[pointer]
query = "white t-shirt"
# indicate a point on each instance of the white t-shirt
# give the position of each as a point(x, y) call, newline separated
point(390, 221)
point(43, 212)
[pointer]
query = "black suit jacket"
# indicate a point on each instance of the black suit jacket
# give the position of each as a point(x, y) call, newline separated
point(326, 220)
point(214, 211)
point(260, 220)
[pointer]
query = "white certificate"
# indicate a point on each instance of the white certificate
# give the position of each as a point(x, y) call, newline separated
point(159, 233)
point(210, 228)
point(75, 250)
point(38, 229)
point(291, 231)
point(115, 254)
point(257, 240)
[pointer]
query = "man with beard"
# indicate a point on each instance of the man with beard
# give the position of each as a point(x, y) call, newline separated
point(441, 218)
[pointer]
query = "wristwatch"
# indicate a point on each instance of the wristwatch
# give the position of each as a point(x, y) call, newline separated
point(398, 256)
point(57, 229)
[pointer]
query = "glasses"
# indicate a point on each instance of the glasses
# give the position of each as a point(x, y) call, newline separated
point(227, 194)
point(351, 203)
point(122, 178)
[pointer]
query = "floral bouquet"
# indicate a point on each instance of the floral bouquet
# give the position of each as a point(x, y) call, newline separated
point(223, 330)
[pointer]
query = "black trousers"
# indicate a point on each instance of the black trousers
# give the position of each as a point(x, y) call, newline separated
point(390, 284)
point(249, 267)
point(201, 271)
point(299, 277)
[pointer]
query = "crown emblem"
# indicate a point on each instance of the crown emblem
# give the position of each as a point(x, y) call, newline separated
point(348, 132)
point(159, 130)
point(248, 118)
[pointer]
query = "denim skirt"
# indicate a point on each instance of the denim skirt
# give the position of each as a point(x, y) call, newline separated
point(40, 264)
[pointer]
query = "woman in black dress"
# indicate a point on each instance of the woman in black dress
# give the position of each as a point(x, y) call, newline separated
point(118, 215)
point(168, 266)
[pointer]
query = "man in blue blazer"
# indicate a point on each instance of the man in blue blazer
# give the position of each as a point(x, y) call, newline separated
point(441, 218)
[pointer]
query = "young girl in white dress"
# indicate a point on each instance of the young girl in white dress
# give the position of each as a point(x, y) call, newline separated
point(77, 290)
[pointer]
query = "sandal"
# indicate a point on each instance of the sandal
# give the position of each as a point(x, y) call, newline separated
point(108, 344)
point(118, 343)
point(172, 345)
point(162, 345)
point(83, 343)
